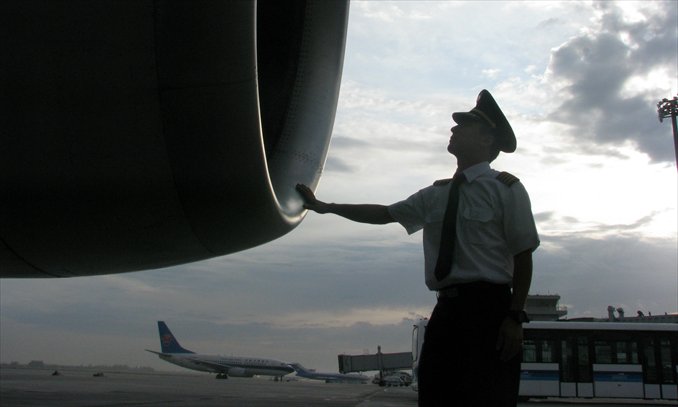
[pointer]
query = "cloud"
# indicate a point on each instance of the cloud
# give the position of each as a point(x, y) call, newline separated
point(491, 72)
point(543, 216)
point(344, 142)
point(631, 271)
point(594, 69)
point(549, 22)
point(387, 14)
point(336, 164)
point(569, 225)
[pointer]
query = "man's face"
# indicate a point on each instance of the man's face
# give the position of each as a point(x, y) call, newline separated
point(468, 138)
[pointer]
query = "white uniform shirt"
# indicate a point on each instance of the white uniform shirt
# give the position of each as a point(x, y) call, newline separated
point(494, 223)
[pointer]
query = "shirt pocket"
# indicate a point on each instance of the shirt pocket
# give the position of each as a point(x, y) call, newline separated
point(477, 224)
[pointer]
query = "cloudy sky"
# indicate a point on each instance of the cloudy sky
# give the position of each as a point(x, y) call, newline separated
point(579, 82)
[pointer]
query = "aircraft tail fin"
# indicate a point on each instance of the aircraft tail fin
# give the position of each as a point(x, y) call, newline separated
point(168, 343)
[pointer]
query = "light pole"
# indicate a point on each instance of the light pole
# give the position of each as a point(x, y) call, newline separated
point(669, 108)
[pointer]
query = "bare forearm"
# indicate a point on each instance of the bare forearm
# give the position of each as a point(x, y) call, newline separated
point(522, 279)
point(510, 338)
point(363, 213)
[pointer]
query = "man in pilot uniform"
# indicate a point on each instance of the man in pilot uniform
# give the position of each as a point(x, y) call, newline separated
point(479, 235)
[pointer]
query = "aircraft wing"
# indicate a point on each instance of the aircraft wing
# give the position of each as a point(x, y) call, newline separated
point(214, 366)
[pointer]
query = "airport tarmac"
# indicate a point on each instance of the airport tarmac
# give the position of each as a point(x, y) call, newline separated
point(33, 387)
point(79, 388)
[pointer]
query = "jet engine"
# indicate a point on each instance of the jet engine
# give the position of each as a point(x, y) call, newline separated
point(238, 372)
point(143, 134)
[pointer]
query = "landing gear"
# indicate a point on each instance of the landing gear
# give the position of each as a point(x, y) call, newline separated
point(223, 376)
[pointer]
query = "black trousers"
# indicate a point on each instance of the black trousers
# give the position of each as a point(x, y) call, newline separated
point(459, 363)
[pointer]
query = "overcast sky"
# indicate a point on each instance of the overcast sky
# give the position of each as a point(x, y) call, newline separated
point(579, 82)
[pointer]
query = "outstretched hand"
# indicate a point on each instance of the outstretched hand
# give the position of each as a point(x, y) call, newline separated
point(310, 201)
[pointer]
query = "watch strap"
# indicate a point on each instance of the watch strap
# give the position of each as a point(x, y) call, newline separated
point(518, 316)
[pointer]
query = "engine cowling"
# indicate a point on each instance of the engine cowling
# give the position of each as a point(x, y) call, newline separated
point(139, 135)
point(238, 372)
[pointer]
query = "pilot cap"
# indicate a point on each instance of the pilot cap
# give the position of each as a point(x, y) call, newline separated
point(488, 111)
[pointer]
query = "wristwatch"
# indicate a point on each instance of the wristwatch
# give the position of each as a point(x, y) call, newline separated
point(518, 316)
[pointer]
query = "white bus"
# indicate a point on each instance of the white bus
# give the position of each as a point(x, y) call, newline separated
point(592, 359)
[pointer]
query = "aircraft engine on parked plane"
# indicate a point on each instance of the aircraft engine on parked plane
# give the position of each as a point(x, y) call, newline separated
point(238, 372)
point(144, 134)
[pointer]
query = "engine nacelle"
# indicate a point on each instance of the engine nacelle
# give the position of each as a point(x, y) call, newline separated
point(145, 134)
point(238, 372)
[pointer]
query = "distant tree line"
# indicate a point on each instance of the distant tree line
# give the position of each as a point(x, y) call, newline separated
point(39, 364)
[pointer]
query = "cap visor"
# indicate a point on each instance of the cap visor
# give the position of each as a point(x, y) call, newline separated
point(465, 117)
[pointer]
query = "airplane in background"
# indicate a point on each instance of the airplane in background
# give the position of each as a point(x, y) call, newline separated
point(223, 366)
point(328, 377)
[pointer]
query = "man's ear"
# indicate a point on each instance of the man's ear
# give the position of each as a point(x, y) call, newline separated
point(486, 138)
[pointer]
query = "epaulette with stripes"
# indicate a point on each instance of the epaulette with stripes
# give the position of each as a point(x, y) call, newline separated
point(442, 182)
point(507, 179)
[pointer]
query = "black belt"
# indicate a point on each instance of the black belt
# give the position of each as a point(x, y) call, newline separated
point(477, 287)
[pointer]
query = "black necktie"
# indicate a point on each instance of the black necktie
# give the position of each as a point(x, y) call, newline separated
point(449, 232)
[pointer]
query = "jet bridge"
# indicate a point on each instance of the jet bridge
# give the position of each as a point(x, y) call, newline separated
point(377, 361)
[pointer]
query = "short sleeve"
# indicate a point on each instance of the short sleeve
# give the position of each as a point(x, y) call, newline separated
point(519, 226)
point(409, 212)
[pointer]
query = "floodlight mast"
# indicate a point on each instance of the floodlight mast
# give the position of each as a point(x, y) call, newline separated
point(669, 108)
